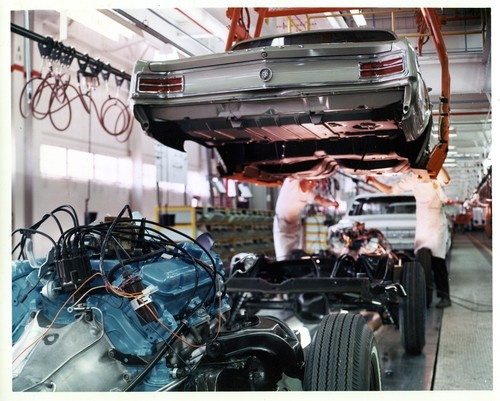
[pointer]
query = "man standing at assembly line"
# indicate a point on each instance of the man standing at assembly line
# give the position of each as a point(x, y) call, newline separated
point(288, 230)
point(432, 227)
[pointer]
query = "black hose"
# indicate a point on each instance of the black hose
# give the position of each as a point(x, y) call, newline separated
point(163, 350)
point(139, 258)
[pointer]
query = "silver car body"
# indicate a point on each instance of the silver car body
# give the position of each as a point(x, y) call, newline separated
point(293, 104)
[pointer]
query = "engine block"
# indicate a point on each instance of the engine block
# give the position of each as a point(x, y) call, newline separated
point(105, 301)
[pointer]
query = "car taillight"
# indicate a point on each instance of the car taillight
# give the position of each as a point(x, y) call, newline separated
point(381, 68)
point(167, 84)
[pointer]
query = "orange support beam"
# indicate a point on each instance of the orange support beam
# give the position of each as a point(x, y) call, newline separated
point(233, 15)
point(438, 154)
point(260, 21)
point(286, 12)
point(238, 31)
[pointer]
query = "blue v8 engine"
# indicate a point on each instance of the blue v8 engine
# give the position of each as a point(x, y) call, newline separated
point(117, 305)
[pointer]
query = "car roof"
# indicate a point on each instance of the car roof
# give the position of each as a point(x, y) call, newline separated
point(351, 35)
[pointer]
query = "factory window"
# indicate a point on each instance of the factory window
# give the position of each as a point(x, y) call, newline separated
point(60, 162)
point(105, 168)
point(80, 165)
point(149, 175)
point(125, 172)
point(53, 161)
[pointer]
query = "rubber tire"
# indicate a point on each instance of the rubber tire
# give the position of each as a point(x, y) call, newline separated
point(343, 356)
point(424, 257)
point(412, 308)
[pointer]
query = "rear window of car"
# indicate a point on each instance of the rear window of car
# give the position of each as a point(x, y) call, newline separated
point(383, 205)
point(319, 37)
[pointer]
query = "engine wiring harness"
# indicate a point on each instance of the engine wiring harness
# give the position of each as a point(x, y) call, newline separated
point(127, 273)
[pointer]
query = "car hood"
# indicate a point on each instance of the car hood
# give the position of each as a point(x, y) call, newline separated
point(380, 221)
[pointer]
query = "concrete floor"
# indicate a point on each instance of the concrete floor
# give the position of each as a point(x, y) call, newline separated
point(404, 372)
point(458, 354)
point(465, 353)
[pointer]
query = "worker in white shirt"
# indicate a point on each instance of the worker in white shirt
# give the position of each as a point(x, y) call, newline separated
point(288, 231)
point(432, 227)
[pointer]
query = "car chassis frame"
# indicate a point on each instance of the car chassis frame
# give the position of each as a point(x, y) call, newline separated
point(306, 287)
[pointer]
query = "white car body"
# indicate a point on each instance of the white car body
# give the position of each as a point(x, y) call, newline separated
point(393, 215)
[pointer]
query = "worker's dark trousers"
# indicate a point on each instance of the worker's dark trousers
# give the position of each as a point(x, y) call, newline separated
point(441, 277)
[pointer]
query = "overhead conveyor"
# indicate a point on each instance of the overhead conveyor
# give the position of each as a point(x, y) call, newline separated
point(56, 50)
point(438, 155)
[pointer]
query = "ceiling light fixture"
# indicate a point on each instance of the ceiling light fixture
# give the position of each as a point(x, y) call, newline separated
point(335, 20)
point(359, 19)
point(100, 23)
